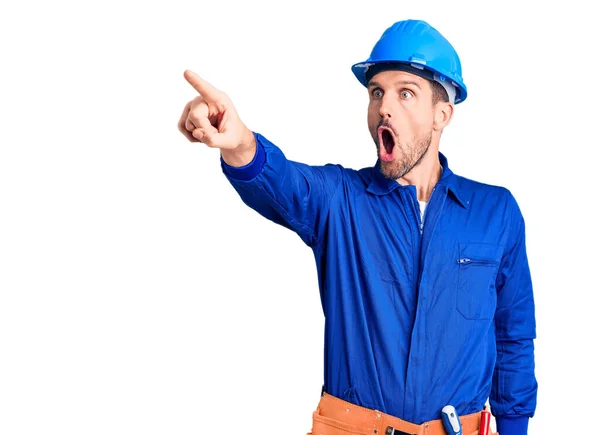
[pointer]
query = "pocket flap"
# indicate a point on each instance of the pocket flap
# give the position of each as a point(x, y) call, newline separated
point(480, 252)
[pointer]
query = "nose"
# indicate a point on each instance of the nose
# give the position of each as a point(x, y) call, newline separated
point(385, 107)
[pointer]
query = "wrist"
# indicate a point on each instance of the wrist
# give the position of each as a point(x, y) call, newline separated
point(243, 154)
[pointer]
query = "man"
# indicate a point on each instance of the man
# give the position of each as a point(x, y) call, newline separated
point(423, 274)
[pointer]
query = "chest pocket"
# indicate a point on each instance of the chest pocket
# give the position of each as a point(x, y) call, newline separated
point(477, 265)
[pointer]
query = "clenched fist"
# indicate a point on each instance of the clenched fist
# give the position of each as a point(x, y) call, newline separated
point(211, 118)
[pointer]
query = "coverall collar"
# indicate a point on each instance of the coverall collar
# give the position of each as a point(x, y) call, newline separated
point(380, 185)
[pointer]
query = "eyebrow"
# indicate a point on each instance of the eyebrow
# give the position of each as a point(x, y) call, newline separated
point(399, 82)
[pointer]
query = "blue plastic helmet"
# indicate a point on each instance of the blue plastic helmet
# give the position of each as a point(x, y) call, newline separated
point(415, 46)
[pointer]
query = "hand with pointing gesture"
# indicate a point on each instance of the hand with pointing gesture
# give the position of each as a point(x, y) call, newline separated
point(211, 118)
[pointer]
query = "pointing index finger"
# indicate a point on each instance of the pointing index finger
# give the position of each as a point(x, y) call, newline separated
point(204, 88)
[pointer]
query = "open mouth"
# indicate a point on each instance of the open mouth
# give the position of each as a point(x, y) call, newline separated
point(386, 143)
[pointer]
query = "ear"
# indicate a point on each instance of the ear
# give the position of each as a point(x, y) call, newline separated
point(442, 115)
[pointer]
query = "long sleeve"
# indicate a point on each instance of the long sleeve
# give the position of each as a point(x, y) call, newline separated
point(514, 386)
point(292, 194)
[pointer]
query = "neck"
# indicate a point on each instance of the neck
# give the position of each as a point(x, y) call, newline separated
point(425, 175)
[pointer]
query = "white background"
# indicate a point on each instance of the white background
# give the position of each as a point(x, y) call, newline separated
point(139, 295)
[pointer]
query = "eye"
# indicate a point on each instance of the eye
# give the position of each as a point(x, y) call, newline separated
point(405, 94)
point(377, 93)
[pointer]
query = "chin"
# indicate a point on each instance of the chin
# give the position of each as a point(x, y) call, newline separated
point(390, 170)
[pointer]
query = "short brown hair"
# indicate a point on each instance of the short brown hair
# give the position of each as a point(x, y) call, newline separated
point(438, 93)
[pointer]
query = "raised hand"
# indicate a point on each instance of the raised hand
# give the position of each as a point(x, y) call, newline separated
point(211, 118)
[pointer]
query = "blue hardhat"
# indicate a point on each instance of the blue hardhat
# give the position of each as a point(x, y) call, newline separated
point(416, 47)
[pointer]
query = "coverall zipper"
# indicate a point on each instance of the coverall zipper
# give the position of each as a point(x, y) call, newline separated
point(422, 221)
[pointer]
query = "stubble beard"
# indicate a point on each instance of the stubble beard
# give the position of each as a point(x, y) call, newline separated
point(407, 158)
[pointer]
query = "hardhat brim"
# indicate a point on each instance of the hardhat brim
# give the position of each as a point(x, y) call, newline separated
point(360, 72)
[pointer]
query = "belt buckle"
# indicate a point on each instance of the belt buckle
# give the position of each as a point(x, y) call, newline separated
point(391, 431)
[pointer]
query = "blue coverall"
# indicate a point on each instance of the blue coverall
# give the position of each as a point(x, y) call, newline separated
point(416, 316)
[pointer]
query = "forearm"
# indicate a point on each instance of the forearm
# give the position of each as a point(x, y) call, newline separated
point(514, 391)
point(292, 194)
